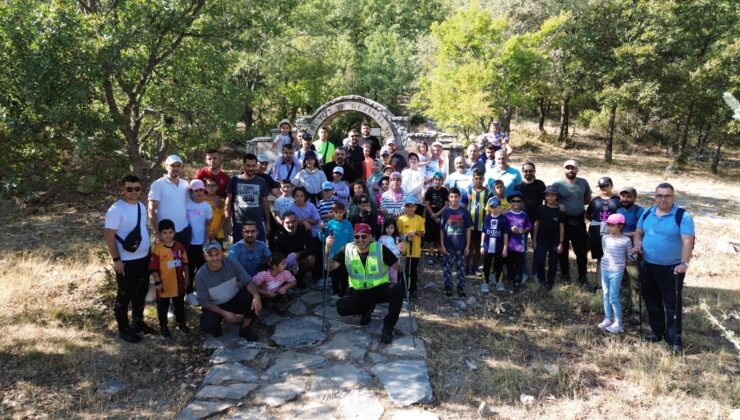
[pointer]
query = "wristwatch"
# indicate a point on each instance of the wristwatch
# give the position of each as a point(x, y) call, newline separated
point(685, 264)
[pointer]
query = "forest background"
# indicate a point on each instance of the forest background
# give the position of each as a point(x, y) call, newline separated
point(92, 89)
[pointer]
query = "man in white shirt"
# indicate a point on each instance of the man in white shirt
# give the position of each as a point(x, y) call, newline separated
point(167, 200)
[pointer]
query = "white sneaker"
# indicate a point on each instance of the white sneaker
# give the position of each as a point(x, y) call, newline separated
point(171, 313)
point(191, 299)
point(484, 288)
point(605, 323)
point(615, 328)
point(500, 287)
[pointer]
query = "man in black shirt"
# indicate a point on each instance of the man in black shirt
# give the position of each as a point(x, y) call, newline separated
point(533, 192)
point(368, 263)
point(340, 159)
point(368, 139)
point(292, 239)
point(355, 154)
point(397, 159)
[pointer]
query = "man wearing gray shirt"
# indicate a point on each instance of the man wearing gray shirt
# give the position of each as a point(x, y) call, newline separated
point(574, 194)
point(226, 292)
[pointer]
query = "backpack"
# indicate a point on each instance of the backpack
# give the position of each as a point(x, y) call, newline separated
point(679, 217)
point(133, 239)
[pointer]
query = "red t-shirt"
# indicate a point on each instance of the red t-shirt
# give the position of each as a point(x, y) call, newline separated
point(221, 179)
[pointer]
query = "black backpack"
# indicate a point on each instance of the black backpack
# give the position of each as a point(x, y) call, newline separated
point(133, 239)
point(679, 216)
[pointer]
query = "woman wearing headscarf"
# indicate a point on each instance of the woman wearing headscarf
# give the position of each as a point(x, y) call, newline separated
point(391, 202)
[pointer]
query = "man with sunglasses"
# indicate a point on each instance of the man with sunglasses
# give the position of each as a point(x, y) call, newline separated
point(340, 160)
point(574, 193)
point(665, 237)
point(355, 154)
point(368, 264)
point(533, 193)
point(131, 267)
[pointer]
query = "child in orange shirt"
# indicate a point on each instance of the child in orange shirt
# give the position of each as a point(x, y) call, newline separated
point(168, 266)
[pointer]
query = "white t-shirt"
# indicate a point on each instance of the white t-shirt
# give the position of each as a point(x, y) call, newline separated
point(461, 181)
point(172, 201)
point(198, 213)
point(121, 217)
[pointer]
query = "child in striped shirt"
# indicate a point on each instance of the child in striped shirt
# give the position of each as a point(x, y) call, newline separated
point(326, 204)
point(617, 249)
point(275, 282)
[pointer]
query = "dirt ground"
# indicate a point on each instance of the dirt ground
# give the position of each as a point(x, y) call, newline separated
point(58, 341)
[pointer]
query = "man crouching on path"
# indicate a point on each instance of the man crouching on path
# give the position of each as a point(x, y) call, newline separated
point(225, 291)
point(368, 263)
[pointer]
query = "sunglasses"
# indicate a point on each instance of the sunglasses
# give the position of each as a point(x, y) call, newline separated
point(604, 186)
point(515, 201)
point(132, 189)
point(361, 237)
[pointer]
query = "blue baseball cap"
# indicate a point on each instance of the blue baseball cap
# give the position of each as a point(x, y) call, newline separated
point(327, 186)
point(494, 202)
point(411, 199)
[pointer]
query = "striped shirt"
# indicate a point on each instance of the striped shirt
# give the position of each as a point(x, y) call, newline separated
point(325, 207)
point(616, 252)
point(476, 203)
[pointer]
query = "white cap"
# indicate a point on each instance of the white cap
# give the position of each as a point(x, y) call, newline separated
point(436, 143)
point(172, 159)
point(339, 170)
point(390, 140)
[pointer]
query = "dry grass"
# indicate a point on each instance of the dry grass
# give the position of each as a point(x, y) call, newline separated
point(58, 341)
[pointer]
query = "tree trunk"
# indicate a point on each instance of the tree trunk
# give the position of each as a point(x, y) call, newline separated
point(248, 117)
point(717, 154)
point(610, 135)
point(506, 120)
point(703, 140)
point(542, 111)
point(564, 122)
point(683, 141)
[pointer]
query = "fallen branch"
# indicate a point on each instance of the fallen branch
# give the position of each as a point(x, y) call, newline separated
point(728, 334)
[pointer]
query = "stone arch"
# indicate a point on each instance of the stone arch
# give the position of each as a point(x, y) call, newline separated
point(391, 126)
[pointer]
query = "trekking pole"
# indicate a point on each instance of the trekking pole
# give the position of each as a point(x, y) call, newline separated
point(325, 279)
point(408, 301)
point(639, 280)
point(675, 312)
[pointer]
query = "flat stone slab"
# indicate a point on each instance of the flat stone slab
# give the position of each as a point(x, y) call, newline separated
point(331, 313)
point(254, 413)
point(414, 415)
point(110, 387)
point(298, 333)
point(312, 411)
point(235, 391)
point(334, 325)
point(211, 342)
point(278, 394)
point(235, 354)
point(403, 325)
point(404, 347)
point(347, 345)
point(375, 357)
point(297, 308)
point(229, 372)
point(201, 409)
point(313, 298)
point(405, 381)
point(291, 362)
point(361, 404)
point(329, 383)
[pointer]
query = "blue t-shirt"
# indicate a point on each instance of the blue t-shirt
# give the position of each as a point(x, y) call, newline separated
point(661, 239)
point(455, 223)
point(494, 229)
point(631, 217)
point(250, 260)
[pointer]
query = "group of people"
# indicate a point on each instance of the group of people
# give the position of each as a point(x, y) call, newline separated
point(364, 214)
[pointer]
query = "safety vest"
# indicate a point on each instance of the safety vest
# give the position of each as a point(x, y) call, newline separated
point(372, 274)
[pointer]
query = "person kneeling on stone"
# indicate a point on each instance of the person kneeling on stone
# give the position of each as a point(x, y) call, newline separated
point(368, 263)
point(226, 292)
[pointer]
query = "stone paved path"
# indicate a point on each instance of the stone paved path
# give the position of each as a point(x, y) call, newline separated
point(299, 371)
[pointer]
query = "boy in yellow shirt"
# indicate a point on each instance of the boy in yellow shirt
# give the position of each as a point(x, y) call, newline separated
point(411, 228)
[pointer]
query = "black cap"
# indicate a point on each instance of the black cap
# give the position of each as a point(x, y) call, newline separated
point(605, 180)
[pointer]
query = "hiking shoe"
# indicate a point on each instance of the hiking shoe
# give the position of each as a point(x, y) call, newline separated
point(615, 328)
point(129, 335)
point(500, 287)
point(675, 349)
point(653, 338)
point(461, 293)
point(164, 331)
point(386, 336)
point(414, 295)
point(605, 323)
point(183, 327)
point(191, 299)
point(448, 291)
point(367, 316)
point(248, 334)
point(484, 288)
point(141, 327)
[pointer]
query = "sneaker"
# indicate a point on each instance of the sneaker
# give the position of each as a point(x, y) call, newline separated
point(500, 287)
point(367, 316)
point(461, 293)
point(183, 327)
point(191, 299)
point(675, 349)
point(615, 328)
point(653, 338)
point(484, 288)
point(605, 323)
point(141, 327)
point(386, 336)
point(170, 313)
point(164, 331)
point(129, 335)
point(448, 291)
point(248, 334)
point(414, 295)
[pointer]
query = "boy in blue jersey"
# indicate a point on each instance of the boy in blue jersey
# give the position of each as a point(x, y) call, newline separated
point(475, 201)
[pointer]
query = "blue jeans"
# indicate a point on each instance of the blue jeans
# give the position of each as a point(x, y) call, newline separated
point(610, 283)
